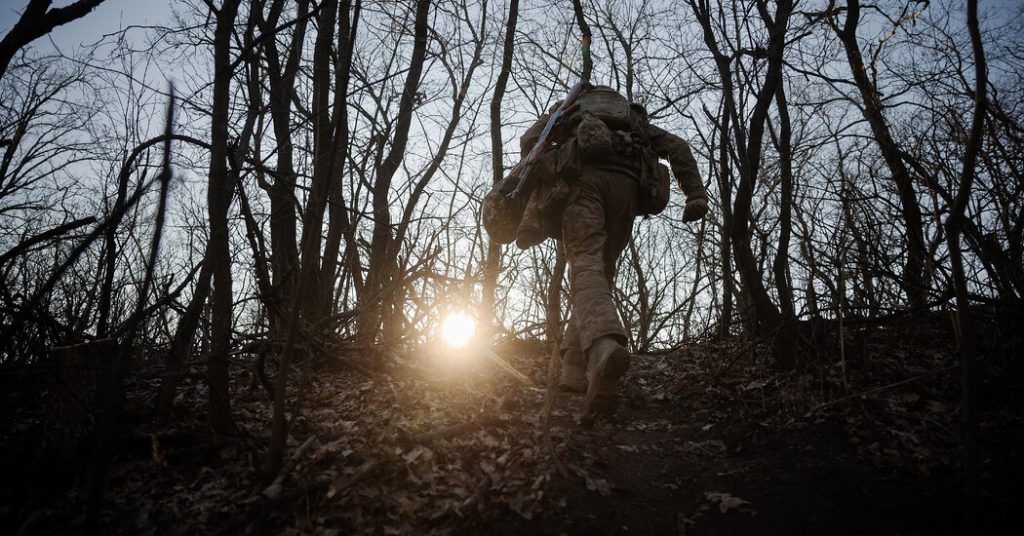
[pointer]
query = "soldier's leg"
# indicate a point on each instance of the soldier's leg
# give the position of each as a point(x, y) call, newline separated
point(620, 213)
point(584, 237)
point(573, 378)
point(596, 226)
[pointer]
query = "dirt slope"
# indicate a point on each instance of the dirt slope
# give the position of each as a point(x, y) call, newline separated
point(709, 441)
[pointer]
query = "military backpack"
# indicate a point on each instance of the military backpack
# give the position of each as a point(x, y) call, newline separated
point(608, 128)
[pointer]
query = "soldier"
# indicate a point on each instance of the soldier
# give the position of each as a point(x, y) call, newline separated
point(608, 188)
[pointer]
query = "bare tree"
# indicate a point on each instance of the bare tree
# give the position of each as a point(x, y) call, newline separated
point(37, 20)
point(376, 309)
point(954, 224)
point(915, 281)
point(492, 264)
point(748, 142)
point(219, 192)
point(281, 75)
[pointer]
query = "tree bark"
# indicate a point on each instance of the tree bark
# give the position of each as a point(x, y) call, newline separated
point(748, 145)
point(394, 298)
point(325, 151)
point(492, 264)
point(954, 226)
point(218, 202)
point(181, 344)
point(645, 312)
point(585, 35)
point(325, 156)
point(380, 273)
point(284, 250)
point(725, 244)
point(914, 280)
point(780, 266)
point(340, 226)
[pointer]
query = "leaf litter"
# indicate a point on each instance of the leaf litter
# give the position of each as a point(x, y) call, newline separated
point(410, 452)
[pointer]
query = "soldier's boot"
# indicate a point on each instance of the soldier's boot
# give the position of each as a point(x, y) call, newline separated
point(607, 362)
point(573, 379)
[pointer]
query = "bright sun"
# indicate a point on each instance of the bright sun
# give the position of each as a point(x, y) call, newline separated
point(457, 329)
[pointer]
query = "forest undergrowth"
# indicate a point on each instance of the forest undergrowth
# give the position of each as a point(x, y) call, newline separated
point(710, 439)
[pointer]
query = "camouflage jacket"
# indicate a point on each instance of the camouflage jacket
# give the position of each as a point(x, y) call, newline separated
point(666, 145)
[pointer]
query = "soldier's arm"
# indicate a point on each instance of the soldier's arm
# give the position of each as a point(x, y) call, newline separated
point(681, 160)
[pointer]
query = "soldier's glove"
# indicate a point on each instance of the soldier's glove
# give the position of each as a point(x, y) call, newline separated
point(695, 208)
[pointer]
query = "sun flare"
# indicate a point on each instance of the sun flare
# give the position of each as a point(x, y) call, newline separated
point(458, 329)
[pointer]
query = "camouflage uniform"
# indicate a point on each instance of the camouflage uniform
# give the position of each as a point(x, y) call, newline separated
point(597, 222)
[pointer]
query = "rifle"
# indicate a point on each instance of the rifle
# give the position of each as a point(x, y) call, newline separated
point(526, 166)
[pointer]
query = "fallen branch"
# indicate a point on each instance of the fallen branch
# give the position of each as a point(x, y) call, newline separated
point(259, 511)
point(190, 453)
point(509, 369)
point(549, 404)
point(332, 485)
point(274, 489)
point(444, 432)
point(343, 483)
point(876, 389)
point(477, 498)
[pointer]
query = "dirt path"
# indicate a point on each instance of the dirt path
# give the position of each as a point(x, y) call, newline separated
point(685, 457)
point(710, 441)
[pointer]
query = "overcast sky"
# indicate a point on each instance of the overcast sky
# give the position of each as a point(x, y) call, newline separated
point(112, 15)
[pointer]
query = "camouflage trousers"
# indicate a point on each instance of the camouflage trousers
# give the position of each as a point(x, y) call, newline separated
point(597, 223)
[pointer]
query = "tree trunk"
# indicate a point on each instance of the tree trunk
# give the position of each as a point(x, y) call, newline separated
point(780, 266)
point(325, 157)
point(284, 249)
point(954, 226)
point(110, 256)
point(340, 226)
point(725, 243)
point(492, 264)
point(381, 274)
point(181, 344)
point(644, 311)
point(325, 151)
point(218, 202)
point(748, 145)
point(914, 280)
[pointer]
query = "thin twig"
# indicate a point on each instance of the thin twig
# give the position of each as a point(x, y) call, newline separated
point(876, 389)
